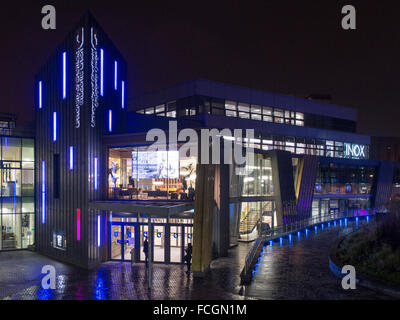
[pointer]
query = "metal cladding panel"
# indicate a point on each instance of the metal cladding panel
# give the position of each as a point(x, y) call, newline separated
point(384, 185)
point(282, 177)
point(307, 185)
point(81, 124)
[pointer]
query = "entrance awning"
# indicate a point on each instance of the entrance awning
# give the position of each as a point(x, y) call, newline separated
point(159, 209)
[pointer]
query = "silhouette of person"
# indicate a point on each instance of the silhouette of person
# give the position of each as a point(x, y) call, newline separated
point(188, 257)
point(146, 250)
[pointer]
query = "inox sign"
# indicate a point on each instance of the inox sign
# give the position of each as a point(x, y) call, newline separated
point(354, 150)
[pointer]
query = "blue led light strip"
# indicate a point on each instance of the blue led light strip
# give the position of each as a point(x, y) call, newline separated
point(54, 126)
point(40, 95)
point(123, 95)
point(101, 72)
point(71, 158)
point(110, 120)
point(95, 173)
point(115, 75)
point(64, 79)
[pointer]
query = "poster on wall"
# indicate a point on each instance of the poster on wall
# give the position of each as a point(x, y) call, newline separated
point(155, 164)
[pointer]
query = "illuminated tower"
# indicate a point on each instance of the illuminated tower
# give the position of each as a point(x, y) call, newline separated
point(80, 97)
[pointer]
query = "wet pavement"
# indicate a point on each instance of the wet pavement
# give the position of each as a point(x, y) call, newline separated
point(296, 271)
point(20, 278)
point(301, 270)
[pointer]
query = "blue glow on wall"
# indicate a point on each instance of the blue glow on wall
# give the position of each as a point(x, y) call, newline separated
point(43, 192)
point(54, 126)
point(64, 80)
point(71, 158)
point(110, 120)
point(123, 95)
point(95, 173)
point(98, 231)
point(115, 75)
point(101, 72)
point(40, 95)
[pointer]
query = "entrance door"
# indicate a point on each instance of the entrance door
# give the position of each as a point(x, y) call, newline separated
point(122, 241)
point(159, 243)
point(129, 241)
point(116, 242)
point(143, 234)
point(175, 244)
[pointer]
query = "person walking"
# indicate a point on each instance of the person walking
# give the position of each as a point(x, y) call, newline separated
point(146, 250)
point(188, 257)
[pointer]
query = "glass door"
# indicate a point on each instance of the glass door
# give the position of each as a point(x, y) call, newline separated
point(116, 242)
point(129, 242)
point(159, 243)
point(143, 235)
point(175, 244)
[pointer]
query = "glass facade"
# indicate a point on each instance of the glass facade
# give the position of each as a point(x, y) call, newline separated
point(17, 193)
point(136, 173)
point(297, 145)
point(255, 184)
point(344, 179)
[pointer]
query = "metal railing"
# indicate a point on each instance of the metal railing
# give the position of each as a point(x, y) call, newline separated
point(289, 228)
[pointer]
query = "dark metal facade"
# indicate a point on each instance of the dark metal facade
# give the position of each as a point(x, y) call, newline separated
point(82, 121)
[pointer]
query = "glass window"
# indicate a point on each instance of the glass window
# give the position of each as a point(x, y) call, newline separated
point(243, 107)
point(230, 105)
point(11, 231)
point(149, 110)
point(28, 230)
point(28, 183)
point(28, 153)
point(255, 109)
point(160, 109)
point(230, 113)
point(11, 149)
point(267, 111)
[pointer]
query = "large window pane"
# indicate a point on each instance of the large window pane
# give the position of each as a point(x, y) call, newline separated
point(11, 149)
point(10, 182)
point(28, 230)
point(28, 152)
point(27, 183)
point(11, 231)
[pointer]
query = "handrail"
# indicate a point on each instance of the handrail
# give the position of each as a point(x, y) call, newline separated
point(290, 228)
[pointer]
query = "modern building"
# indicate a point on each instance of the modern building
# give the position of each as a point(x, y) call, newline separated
point(100, 191)
point(17, 170)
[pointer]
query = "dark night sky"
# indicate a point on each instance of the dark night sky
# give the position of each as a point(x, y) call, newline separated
point(295, 47)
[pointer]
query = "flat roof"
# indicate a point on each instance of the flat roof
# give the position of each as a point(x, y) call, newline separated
point(245, 95)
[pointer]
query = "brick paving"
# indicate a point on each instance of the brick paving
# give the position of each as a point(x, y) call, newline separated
point(299, 271)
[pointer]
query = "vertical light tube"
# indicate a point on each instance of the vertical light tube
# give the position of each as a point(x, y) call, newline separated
point(43, 192)
point(95, 173)
point(64, 79)
point(98, 231)
point(110, 120)
point(40, 95)
point(78, 224)
point(54, 126)
point(123, 95)
point(115, 75)
point(101, 72)
point(71, 158)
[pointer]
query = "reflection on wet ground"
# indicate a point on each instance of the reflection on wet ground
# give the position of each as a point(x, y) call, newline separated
point(296, 270)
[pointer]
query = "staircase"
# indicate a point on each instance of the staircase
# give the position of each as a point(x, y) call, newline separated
point(248, 223)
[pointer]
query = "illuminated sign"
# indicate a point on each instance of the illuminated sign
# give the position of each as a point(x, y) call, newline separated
point(79, 77)
point(94, 77)
point(355, 151)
